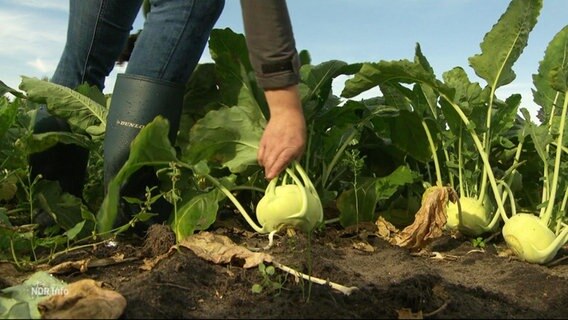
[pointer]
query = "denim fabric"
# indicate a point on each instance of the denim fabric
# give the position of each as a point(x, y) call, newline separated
point(173, 38)
point(96, 35)
point(169, 47)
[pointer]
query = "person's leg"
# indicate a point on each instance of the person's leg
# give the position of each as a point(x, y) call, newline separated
point(166, 52)
point(174, 36)
point(96, 34)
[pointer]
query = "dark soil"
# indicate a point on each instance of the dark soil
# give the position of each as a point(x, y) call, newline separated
point(454, 280)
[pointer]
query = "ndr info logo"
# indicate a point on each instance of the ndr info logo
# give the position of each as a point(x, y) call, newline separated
point(41, 290)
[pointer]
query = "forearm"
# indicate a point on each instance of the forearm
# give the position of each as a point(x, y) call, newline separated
point(271, 44)
point(283, 100)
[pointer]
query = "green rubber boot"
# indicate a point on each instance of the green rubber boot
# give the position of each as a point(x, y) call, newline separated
point(135, 102)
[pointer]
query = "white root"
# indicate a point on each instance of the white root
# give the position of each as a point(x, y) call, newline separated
point(341, 288)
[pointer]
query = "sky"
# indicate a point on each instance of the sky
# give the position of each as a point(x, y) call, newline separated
point(32, 35)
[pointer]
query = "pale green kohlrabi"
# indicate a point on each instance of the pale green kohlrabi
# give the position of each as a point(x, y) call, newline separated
point(294, 204)
point(531, 239)
point(475, 218)
point(537, 238)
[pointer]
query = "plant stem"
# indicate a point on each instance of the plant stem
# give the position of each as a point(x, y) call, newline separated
point(338, 155)
point(234, 200)
point(483, 155)
point(548, 213)
point(434, 154)
point(343, 289)
point(545, 177)
point(460, 165)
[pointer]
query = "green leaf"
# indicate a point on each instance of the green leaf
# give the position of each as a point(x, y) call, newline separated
point(551, 76)
point(316, 84)
point(369, 192)
point(151, 147)
point(5, 89)
point(467, 95)
point(43, 141)
point(373, 74)
point(73, 232)
point(407, 134)
point(541, 138)
point(256, 288)
point(201, 96)
point(80, 111)
point(228, 137)
point(8, 114)
point(20, 301)
point(505, 115)
point(237, 83)
point(199, 213)
point(502, 46)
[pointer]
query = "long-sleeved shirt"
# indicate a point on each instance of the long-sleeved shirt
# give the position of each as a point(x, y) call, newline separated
point(271, 44)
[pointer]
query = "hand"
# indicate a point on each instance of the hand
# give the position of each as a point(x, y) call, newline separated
point(284, 137)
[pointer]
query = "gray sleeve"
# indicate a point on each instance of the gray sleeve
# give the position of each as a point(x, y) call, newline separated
point(271, 44)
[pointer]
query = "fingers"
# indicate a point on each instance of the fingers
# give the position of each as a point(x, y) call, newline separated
point(284, 137)
point(278, 148)
point(274, 165)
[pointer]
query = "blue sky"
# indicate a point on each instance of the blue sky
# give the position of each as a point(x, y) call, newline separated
point(32, 34)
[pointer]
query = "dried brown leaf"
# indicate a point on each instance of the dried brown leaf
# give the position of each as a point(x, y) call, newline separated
point(406, 313)
point(363, 246)
point(84, 264)
point(429, 220)
point(84, 299)
point(149, 263)
point(386, 230)
point(220, 249)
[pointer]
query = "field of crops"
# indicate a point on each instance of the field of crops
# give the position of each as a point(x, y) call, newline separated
point(434, 199)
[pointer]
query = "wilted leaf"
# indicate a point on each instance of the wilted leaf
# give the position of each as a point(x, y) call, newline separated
point(386, 230)
point(84, 264)
point(220, 249)
point(406, 313)
point(84, 299)
point(430, 219)
point(363, 246)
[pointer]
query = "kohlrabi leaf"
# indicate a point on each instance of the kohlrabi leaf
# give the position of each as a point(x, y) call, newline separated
point(199, 213)
point(93, 93)
point(151, 147)
point(502, 46)
point(315, 86)
point(468, 95)
point(228, 137)
point(551, 76)
point(361, 207)
point(43, 141)
point(66, 209)
point(505, 115)
point(201, 96)
point(5, 89)
point(237, 82)
point(373, 74)
point(80, 111)
point(406, 133)
point(8, 114)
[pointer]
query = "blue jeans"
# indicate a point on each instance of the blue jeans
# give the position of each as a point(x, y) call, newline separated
point(173, 38)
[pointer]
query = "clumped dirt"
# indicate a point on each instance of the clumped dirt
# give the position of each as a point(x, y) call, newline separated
point(452, 279)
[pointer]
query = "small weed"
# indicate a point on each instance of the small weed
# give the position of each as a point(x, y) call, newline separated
point(478, 242)
point(271, 281)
